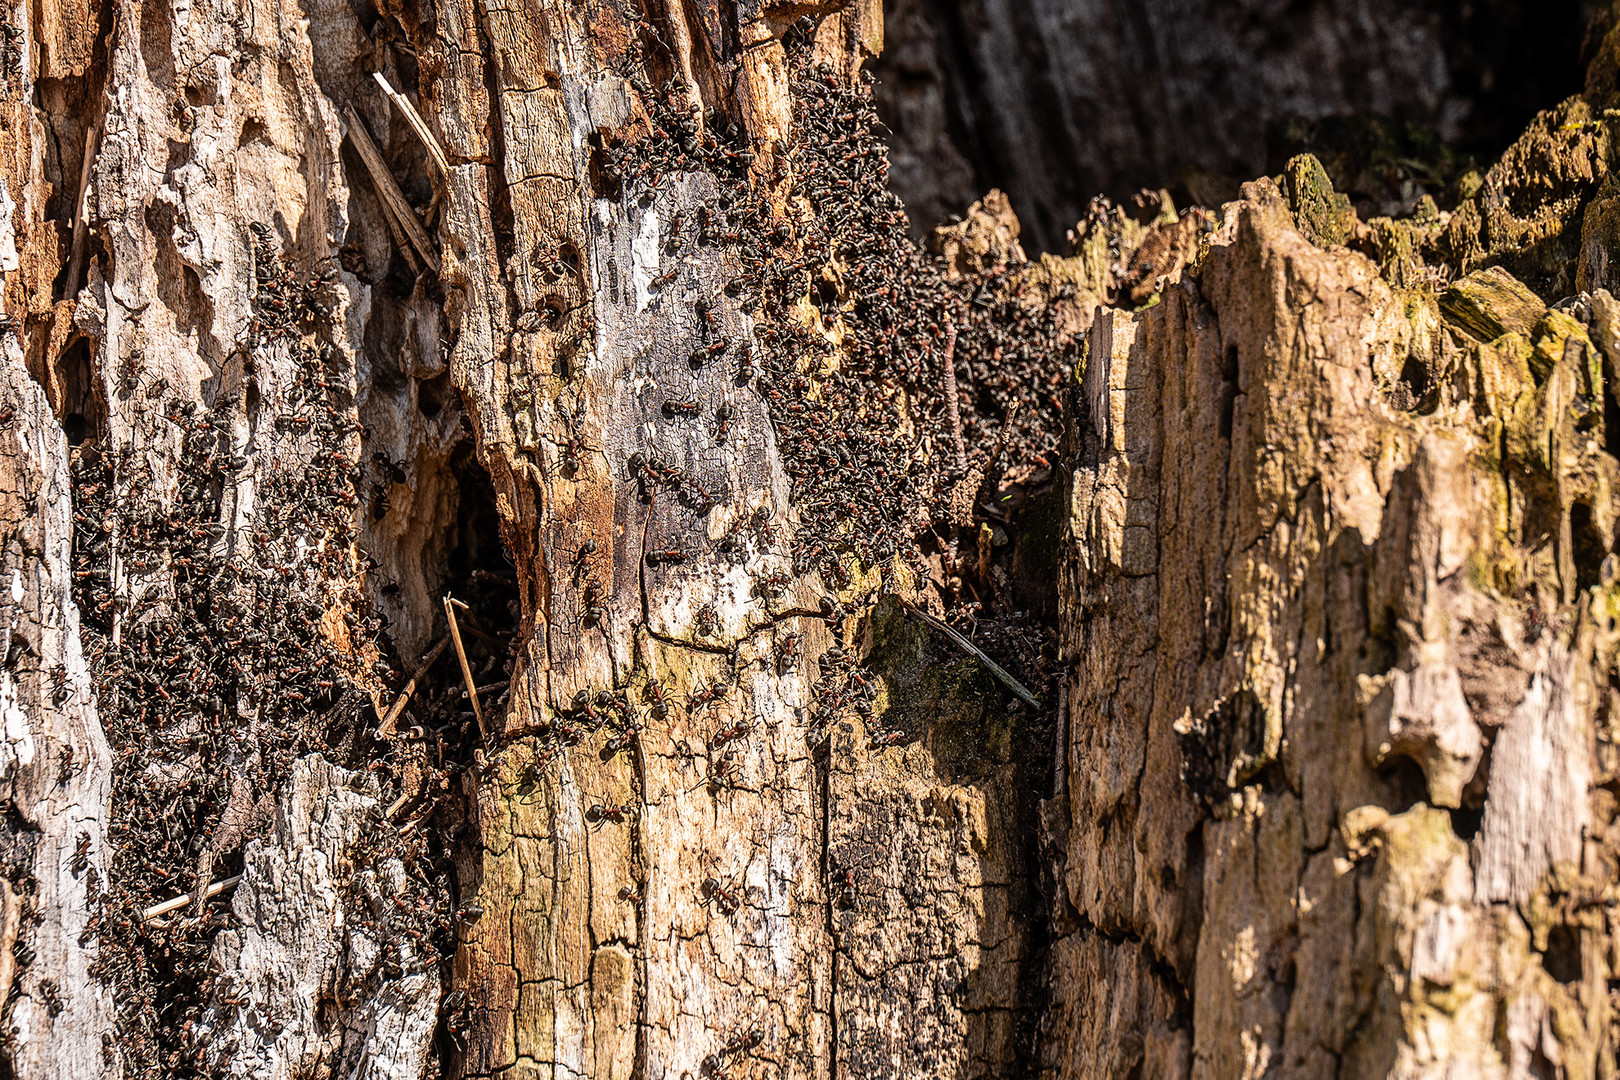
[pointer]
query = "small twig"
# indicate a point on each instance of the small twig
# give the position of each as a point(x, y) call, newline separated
point(450, 605)
point(388, 188)
point(952, 408)
point(386, 728)
point(416, 121)
point(995, 669)
point(183, 899)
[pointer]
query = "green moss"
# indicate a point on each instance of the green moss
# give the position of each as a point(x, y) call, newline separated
point(1552, 337)
point(1489, 303)
point(1527, 212)
point(1323, 215)
point(1397, 260)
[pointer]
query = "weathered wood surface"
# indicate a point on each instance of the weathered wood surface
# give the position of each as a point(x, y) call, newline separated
point(55, 760)
point(697, 933)
point(1331, 786)
point(1339, 609)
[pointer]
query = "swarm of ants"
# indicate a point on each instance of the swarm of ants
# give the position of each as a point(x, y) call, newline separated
point(216, 662)
point(879, 464)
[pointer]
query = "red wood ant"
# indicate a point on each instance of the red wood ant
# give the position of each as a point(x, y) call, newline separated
point(883, 739)
point(596, 815)
point(581, 559)
point(723, 772)
point(771, 586)
point(786, 649)
point(741, 1044)
point(593, 612)
point(725, 900)
point(705, 696)
point(727, 734)
point(622, 741)
point(653, 694)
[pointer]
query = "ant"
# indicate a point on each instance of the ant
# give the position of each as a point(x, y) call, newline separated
point(726, 734)
point(707, 620)
point(786, 649)
point(593, 612)
point(570, 450)
point(581, 559)
point(884, 739)
point(771, 586)
point(629, 895)
point(582, 705)
point(596, 815)
point(723, 772)
point(711, 323)
point(716, 1061)
point(653, 694)
point(530, 775)
point(745, 364)
point(722, 423)
point(672, 239)
point(616, 702)
point(725, 900)
point(682, 410)
point(843, 885)
point(655, 558)
point(705, 696)
point(622, 741)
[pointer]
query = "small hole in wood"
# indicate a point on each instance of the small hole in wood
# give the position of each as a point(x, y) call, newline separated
point(552, 312)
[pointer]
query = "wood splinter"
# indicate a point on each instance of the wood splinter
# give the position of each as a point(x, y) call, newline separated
point(157, 910)
point(386, 729)
point(393, 198)
point(450, 605)
point(416, 122)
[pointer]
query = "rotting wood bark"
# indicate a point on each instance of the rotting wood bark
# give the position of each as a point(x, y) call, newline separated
point(1333, 568)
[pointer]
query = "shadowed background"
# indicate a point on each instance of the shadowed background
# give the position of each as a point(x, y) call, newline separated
point(1056, 101)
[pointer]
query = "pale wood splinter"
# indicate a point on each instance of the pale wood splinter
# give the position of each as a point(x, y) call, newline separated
point(393, 198)
point(450, 605)
point(158, 910)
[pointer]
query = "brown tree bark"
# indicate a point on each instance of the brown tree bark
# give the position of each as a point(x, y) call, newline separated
point(352, 302)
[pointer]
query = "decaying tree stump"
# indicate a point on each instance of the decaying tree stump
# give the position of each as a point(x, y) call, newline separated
point(496, 502)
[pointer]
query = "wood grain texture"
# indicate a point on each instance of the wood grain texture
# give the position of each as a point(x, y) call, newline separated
point(1303, 616)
